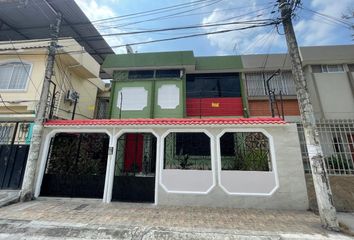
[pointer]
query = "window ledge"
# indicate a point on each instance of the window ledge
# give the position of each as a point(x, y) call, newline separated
point(12, 90)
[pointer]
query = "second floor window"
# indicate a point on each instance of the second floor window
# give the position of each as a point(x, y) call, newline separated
point(256, 83)
point(144, 74)
point(14, 75)
point(327, 68)
point(213, 85)
point(141, 74)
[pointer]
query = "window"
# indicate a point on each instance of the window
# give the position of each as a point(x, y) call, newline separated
point(256, 83)
point(14, 75)
point(141, 74)
point(327, 68)
point(187, 151)
point(213, 85)
point(351, 67)
point(245, 151)
point(168, 73)
point(6, 133)
point(332, 68)
point(193, 144)
point(144, 74)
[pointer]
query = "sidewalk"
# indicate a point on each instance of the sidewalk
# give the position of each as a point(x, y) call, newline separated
point(91, 219)
point(9, 196)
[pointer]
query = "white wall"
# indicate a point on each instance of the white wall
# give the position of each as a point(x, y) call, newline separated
point(282, 188)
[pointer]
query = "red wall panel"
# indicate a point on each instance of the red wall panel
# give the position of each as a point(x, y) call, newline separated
point(214, 107)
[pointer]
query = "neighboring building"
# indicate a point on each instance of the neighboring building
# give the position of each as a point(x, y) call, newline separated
point(22, 70)
point(22, 67)
point(329, 73)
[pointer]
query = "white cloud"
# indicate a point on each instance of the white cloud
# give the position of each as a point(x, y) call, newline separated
point(96, 10)
point(316, 30)
point(254, 40)
point(93, 10)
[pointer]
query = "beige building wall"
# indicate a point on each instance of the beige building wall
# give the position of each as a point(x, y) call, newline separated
point(74, 69)
point(24, 101)
point(332, 94)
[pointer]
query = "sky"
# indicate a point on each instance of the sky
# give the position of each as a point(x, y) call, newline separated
point(312, 24)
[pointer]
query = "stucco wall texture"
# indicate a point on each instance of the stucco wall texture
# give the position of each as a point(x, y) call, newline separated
point(282, 188)
point(291, 193)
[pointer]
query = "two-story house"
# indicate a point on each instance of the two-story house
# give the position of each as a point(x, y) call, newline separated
point(177, 134)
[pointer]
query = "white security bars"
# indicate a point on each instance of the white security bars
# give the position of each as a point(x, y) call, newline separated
point(337, 140)
point(256, 85)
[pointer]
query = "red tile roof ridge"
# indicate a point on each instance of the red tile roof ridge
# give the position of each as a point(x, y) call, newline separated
point(165, 121)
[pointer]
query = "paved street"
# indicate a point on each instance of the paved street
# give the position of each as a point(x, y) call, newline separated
point(91, 219)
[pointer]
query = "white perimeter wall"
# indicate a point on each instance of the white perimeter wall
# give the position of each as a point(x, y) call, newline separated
point(282, 188)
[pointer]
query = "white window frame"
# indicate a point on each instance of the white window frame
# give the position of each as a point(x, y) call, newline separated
point(29, 73)
point(325, 69)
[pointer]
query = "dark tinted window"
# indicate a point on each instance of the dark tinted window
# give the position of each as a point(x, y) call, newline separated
point(213, 85)
point(193, 144)
point(228, 145)
point(168, 73)
point(141, 74)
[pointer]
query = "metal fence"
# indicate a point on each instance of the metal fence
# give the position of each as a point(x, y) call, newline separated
point(15, 138)
point(337, 141)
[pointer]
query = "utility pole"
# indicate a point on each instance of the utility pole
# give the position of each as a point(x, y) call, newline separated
point(323, 191)
point(30, 172)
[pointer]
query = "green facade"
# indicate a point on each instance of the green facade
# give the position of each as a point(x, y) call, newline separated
point(144, 60)
point(145, 113)
point(220, 63)
point(151, 85)
point(178, 112)
point(121, 64)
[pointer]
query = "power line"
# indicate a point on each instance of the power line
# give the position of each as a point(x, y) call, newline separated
point(169, 15)
point(333, 19)
point(83, 24)
point(76, 113)
point(263, 38)
point(72, 87)
point(150, 11)
point(26, 70)
point(178, 16)
point(258, 21)
point(10, 109)
point(193, 35)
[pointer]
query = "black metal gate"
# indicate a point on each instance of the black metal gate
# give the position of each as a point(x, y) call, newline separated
point(134, 178)
point(76, 165)
point(15, 138)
